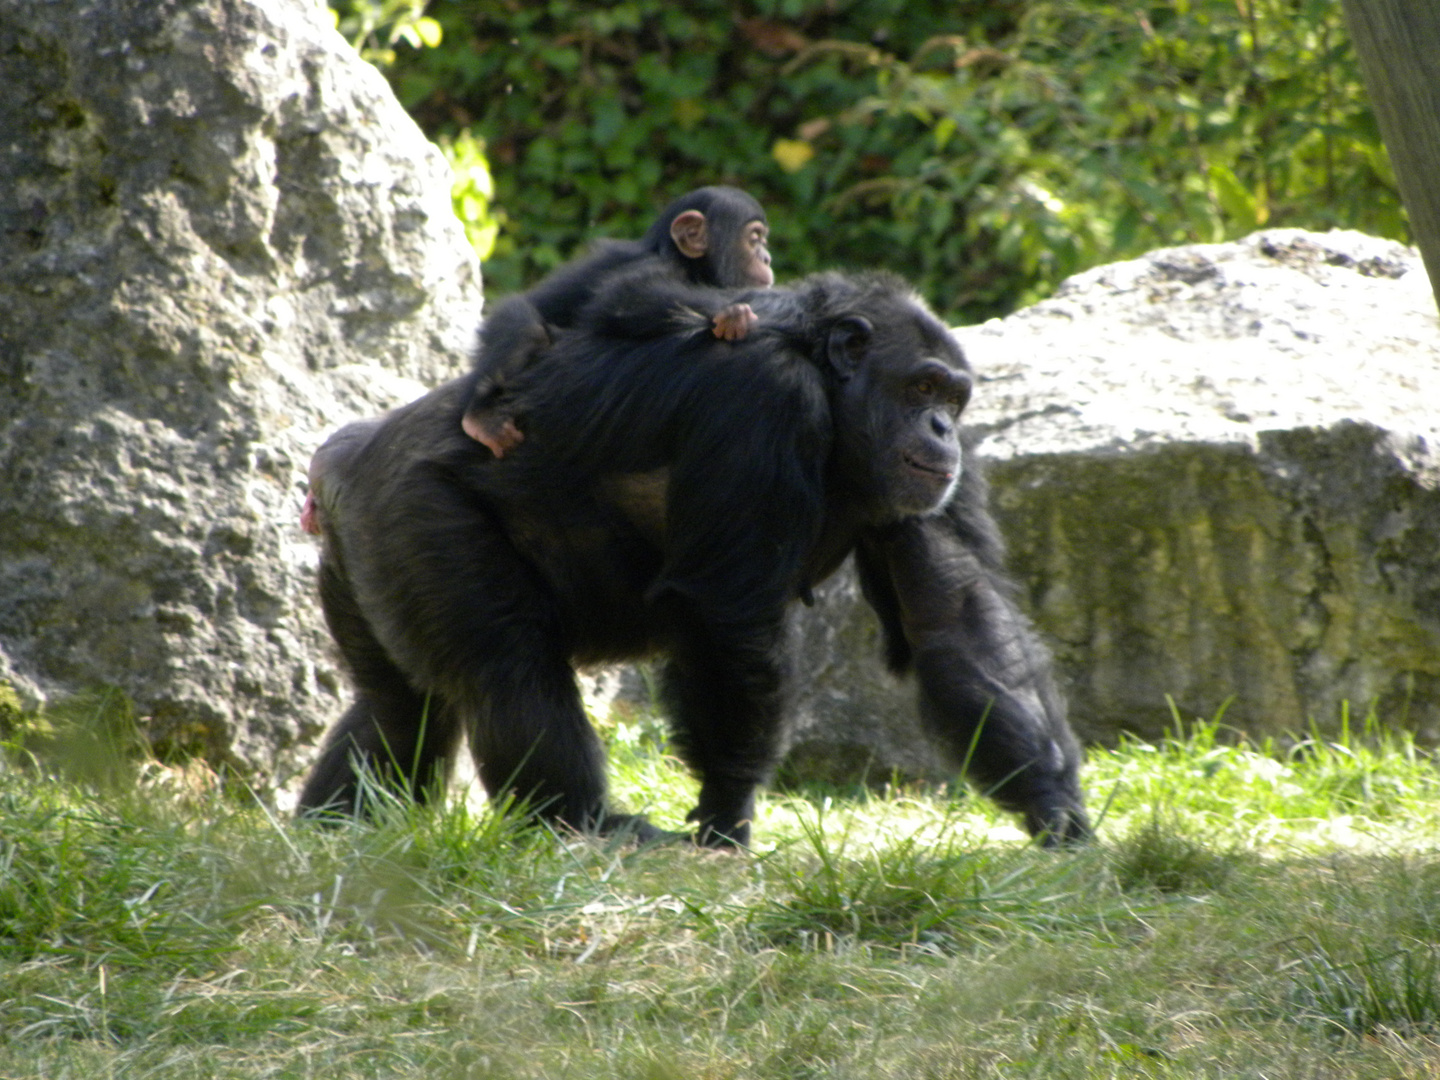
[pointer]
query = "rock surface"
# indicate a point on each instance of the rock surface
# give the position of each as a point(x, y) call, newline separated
point(1218, 471)
point(220, 237)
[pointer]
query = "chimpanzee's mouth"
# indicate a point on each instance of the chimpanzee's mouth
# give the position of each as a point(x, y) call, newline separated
point(939, 473)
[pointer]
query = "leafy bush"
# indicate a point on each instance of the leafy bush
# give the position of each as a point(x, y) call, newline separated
point(986, 150)
point(473, 191)
point(375, 27)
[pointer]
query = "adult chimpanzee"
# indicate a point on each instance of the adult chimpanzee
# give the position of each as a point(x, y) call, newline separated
point(714, 236)
point(680, 493)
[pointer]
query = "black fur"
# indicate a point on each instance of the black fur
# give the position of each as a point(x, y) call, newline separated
point(647, 281)
point(679, 494)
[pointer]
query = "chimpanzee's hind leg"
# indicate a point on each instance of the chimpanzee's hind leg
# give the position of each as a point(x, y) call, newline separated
point(529, 732)
point(403, 739)
point(470, 617)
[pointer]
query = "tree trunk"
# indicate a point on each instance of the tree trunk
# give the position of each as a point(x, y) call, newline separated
point(1398, 42)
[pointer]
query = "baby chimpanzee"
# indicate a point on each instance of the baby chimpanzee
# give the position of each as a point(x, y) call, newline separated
point(712, 238)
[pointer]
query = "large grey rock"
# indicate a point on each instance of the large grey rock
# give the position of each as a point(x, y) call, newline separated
point(220, 237)
point(1216, 468)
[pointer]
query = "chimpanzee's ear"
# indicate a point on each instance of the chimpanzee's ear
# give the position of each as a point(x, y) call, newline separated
point(847, 342)
point(690, 234)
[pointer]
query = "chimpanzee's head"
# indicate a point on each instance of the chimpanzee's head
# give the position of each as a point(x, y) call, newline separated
point(901, 383)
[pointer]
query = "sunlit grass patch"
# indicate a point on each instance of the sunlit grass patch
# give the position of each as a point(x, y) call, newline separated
point(1159, 854)
point(1358, 788)
point(933, 885)
point(1247, 909)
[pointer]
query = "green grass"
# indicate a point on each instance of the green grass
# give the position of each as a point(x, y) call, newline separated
point(1248, 911)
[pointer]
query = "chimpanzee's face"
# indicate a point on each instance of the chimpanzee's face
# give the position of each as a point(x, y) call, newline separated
point(904, 385)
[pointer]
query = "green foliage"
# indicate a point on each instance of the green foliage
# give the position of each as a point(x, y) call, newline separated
point(473, 191)
point(986, 150)
point(375, 27)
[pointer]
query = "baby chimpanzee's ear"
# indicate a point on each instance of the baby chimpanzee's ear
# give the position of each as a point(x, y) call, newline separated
point(690, 234)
